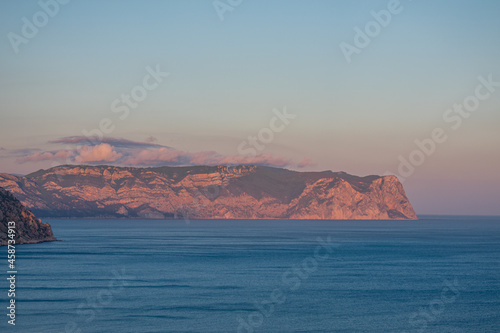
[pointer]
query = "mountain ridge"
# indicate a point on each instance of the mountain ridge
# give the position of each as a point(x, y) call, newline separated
point(208, 192)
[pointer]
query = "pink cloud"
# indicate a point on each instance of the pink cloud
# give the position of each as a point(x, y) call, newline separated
point(306, 161)
point(261, 159)
point(100, 153)
point(147, 157)
point(169, 155)
point(46, 156)
point(134, 155)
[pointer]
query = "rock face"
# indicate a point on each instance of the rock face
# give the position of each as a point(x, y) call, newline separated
point(28, 228)
point(199, 192)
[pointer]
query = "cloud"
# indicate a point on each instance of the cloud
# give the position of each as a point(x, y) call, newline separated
point(115, 142)
point(306, 161)
point(156, 156)
point(87, 154)
point(163, 156)
point(45, 156)
point(130, 153)
point(261, 159)
point(23, 152)
point(99, 153)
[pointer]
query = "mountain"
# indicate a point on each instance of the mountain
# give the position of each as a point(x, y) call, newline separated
point(208, 192)
point(28, 229)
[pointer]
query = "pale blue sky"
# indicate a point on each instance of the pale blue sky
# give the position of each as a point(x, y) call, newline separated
point(226, 78)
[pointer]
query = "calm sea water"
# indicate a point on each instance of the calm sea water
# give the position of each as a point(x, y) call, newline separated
point(439, 274)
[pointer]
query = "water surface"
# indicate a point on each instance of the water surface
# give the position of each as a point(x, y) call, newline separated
point(439, 274)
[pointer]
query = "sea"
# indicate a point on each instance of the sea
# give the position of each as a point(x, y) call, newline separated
point(437, 274)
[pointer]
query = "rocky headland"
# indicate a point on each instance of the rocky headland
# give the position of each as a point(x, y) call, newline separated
point(208, 192)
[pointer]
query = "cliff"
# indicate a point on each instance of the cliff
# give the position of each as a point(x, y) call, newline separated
point(28, 228)
point(199, 192)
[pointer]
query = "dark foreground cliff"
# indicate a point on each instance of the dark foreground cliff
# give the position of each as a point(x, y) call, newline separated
point(28, 229)
point(208, 192)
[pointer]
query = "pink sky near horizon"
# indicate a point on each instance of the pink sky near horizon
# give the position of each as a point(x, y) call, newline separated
point(205, 89)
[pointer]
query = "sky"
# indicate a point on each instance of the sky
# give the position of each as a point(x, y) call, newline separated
point(367, 87)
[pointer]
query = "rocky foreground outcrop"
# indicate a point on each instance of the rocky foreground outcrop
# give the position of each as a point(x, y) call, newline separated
point(208, 192)
point(28, 229)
